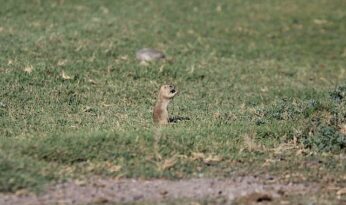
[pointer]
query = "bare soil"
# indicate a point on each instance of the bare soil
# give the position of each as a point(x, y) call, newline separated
point(105, 190)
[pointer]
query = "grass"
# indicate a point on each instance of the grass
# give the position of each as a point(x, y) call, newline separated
point(260, 71)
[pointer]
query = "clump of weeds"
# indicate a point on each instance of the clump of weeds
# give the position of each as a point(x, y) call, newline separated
point(323, 121)
point(325, 131)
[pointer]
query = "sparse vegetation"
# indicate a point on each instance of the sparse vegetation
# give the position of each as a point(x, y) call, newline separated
point(262, 82)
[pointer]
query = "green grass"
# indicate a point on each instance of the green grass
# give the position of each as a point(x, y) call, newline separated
point(262, 69)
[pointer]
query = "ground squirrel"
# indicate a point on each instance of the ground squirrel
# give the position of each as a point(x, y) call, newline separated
point(160, 113)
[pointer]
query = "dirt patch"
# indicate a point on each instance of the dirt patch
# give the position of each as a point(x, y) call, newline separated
point(103, 190)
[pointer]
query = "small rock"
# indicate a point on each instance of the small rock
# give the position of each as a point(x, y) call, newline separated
point(263, 198)
point(101, 200)
point(149, 54)
point(138, 197)
point(254, 198)
point(269, 178)
point(81, 182)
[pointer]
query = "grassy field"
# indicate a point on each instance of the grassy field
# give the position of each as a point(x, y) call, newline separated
point(263, 82)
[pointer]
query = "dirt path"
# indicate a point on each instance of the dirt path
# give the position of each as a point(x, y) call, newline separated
point(97, 190)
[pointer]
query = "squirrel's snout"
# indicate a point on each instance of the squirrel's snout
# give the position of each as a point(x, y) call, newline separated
point(172, 89)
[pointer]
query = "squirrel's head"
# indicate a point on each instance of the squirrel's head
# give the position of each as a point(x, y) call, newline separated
point(168, 91)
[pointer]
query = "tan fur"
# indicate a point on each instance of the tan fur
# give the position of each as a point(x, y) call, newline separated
point(160, 112)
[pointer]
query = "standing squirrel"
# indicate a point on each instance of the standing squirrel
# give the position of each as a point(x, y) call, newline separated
point(160, 113)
